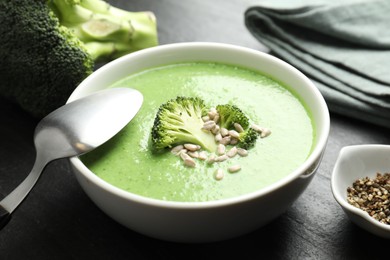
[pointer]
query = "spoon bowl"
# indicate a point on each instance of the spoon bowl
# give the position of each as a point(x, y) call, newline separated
point(74, 129)
point(356, 162)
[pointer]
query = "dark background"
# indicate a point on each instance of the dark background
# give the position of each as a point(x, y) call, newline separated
point(58, 220)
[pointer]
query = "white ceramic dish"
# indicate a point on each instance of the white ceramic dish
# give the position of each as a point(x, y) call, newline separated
point(213, 220)
point(355, 162)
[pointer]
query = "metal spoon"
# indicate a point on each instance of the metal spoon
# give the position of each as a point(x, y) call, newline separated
point(74, 129)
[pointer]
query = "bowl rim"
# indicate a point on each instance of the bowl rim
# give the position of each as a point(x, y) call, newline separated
point(337, 193)
point(314, 156)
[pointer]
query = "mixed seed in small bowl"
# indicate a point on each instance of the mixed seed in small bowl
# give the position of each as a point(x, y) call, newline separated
point(361, 185)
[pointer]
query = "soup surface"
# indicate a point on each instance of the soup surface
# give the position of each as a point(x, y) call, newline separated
point(127, 162)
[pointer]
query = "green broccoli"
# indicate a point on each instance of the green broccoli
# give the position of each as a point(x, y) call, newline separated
point(47, 47)
point(230, 114)
point(106, 31)
point(179, 121)
point(247, 138)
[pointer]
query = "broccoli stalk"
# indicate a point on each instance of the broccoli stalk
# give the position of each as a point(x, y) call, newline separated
point(47, 47)
point(105, 30)
point(179, 121)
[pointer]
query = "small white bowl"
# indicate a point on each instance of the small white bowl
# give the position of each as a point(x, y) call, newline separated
point(211, 220)
point(356, 162)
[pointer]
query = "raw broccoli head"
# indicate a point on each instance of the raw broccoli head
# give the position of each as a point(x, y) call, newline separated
point(41, 62)
point(43, 57)
point(247, 139)
point(179, 121)
point(230, 114)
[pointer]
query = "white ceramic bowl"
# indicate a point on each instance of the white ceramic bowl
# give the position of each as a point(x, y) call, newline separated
point(213, 220)
point(356, 162)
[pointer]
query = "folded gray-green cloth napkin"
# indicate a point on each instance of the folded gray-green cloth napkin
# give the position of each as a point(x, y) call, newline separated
point(342, 46)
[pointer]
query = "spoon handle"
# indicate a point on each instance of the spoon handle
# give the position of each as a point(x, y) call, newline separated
point(5, 216)
point(12, 200)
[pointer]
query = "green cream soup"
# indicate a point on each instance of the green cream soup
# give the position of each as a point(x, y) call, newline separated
point(127, 162)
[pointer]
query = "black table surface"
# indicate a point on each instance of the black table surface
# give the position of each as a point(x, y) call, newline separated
point(58, 220)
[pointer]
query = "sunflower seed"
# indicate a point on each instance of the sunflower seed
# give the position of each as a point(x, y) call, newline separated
point(211, 159)
point(257, 128)
point(242, 152)
point(234, 168)
point(181, 151)
point(221, 158)
point(221, 149)
point(218, 137)
point(238, 127)
point(233, 141)
point(208, 125)
point(216, 118)
point(266, 132)
point(232, 152)
point(202, 155)
point(224, 132)
point(190, 162)
point(175, 150)
point(234, 134)
point(184, 156)
point(219, 174)
point(212, 113)
point(206, 118)
point(192, 147)
point(193, 154)
point(225, 140)
point(215, 130)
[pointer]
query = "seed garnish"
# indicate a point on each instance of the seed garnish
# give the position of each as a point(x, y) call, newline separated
point(256, 128)
point(372, 196)
point(224, 131)
point(193, 154)
point(212, 113)
point(232, 152)
point(208, 125)
point(221, 158)
point(216, 118)
point(184, 156)
point(234, 134)
point(211, 159)
point(192, 147)
point(221, 149)
point(242, 152)
point(219, 174)
point(190, 162)
point(238, 127)
point(233, 141)
point(202, 155)
point(234, 168)
point(177, 149)
point(218, 137)
point(206, 118)
point(266, 132)
point(224, 138)
point(215, 130)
